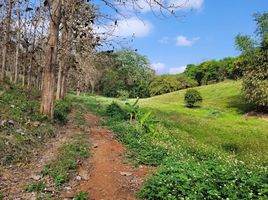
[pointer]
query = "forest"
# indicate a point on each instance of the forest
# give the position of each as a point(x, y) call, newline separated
point(83, 116)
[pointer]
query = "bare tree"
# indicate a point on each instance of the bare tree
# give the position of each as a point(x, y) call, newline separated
point(6, 40)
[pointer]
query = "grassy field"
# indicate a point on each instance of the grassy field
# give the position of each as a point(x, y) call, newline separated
point(213, 151)
point(218, 123)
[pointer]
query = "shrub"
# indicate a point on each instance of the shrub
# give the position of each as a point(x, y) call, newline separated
point(62, 108)
point(192, 97)
point(123, 94)
point(114, 110)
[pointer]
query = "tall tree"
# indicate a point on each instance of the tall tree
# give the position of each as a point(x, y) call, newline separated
point(47, 100)
point(6, 39)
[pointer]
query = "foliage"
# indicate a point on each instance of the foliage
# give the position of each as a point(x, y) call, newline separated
point(213, 71)
point(38, 186)
point(170, 83)
point(114, 110)
point(255, 64)
point(81, 196)
point(123, 94)
point(60, 168)
point(28, 130)
point(62, 108)
point(132, 110)
point(129, 72)
point(208, 179)
point(192, 97)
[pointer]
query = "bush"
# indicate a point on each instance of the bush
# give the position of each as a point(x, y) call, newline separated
point(123, 94)
point(192, 97)
point(62, 108)
point(114, 110)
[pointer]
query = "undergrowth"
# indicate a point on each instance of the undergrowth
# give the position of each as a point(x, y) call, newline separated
point(61, 168)
point(22, 128)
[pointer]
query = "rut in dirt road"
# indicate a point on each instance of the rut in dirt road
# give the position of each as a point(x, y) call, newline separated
point(109, 177)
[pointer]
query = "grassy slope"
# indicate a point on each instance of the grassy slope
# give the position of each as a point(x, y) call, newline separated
point(219, 123)
point(30, 129)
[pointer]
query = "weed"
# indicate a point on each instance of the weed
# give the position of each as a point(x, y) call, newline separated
point(62, 108)
point(81, 196)
point(36, 187)
point(60, 168)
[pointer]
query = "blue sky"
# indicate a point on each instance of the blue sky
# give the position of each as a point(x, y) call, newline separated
point(204, 30)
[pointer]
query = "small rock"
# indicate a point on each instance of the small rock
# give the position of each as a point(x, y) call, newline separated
point(84, 175)
point(36, 177)
point(3, 122)
point(95, 145)
point(12, 106)
point(125, 173)
point(78, 178)
point(67, 188)
point(11, 122)
point(36, 124)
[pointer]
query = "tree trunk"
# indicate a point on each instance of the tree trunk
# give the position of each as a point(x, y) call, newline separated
point(29, 80)
point(47, 101)
point(6, 41)
point(18, 45)
point(59, 85)
point(63, 86)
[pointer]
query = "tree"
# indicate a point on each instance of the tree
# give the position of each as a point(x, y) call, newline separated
point(130, 72)
point(47, 100)
point(192, 97)
point(6, 39)
point(255, 64)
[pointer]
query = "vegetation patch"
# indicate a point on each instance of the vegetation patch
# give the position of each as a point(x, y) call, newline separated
point(81, 196)
point(60, 169)
point(38, 186)
point(22, 128)
point(208, 179)
point(62, 109)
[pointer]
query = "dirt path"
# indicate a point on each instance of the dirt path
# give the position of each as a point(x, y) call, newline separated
point(14, 178)
point(105, 175)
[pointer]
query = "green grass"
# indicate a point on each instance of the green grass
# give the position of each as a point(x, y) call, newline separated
point(212, 151)
point(218, 123)
point(62, 167)
point(30, 129)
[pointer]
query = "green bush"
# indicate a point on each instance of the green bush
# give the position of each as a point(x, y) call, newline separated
point(114, 110)
point(123, 94)
point(62, 108)
point(192, 97)
point(210, 179)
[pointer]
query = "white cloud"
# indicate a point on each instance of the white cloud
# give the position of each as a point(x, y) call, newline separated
point(126, 28)
point(176, 70)
point(184, 41)
point(188, 4)
point(158, 66)
point(147, 6)
point(164, 40)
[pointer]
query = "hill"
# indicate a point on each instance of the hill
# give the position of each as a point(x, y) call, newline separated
point(220, 122)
